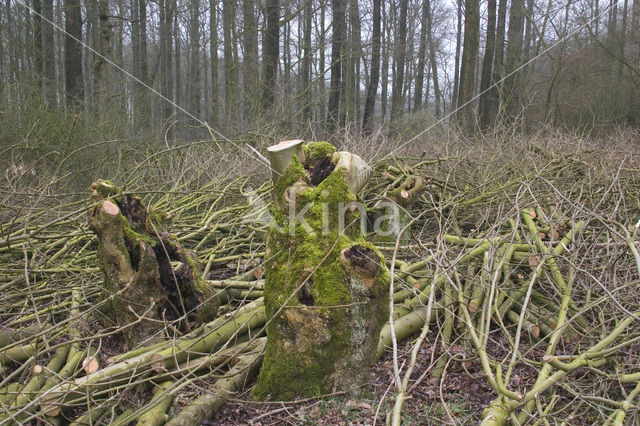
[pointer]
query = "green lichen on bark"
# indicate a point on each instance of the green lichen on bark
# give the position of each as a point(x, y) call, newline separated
point(308, 292)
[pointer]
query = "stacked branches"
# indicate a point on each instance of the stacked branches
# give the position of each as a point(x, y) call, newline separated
point(525, 269)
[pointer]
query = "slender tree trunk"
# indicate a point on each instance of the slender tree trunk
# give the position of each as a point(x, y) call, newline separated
point(322, 110)
point(512, 95)
point(356, 54)
point(74, 84)
point(466, 118)
point(372, 88)
point(456, 68)
point(305, 88)
point(178, 58)
point(432, 60)
point(337, 41)
point(386, 33)
point(38, 60)
point(250, 59)
point(166, 52)
point(493, 101)
point(193, 82)
point(48, 52)
point(213, 53)
point(271, 54)
point(417, 96)
point(623, 41)
point(400, 52)
point(487, 66)
point(228, 19)
point(100, 65)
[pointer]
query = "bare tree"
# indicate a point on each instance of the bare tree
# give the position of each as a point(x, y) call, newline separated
point(437, 95)
point(513, 60)
point(466, 117)
point(250, 58)
point(487, 66)
point(400, 51)
point(213, 53)
point(271, 54)
point(337, 40)
point(372, 88)
point(74, 84)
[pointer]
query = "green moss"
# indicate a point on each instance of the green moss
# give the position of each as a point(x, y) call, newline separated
point(102, 189)
point(294, 172)
point(318, 150)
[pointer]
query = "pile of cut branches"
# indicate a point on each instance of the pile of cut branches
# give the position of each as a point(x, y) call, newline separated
point(527, 268)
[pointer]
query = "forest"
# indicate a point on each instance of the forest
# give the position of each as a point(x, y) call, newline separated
point(319, 212)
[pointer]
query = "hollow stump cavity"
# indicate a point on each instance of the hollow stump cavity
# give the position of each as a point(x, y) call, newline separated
point(325, 286)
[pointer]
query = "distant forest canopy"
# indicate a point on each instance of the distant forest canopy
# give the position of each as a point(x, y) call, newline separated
point(140, 66)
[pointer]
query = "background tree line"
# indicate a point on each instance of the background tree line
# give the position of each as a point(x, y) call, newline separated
point(322, 65)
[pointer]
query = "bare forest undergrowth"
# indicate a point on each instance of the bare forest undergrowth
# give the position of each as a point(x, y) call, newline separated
point(523, 255)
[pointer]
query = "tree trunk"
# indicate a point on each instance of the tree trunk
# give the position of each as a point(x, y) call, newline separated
point(166, 8)
point(337, 41)
point(100, 66)
point(305, 88)
point(487, 66)
point(250, 60)
point(74, 83)
point(325, 293)
point(466, 117)
point(270, 55)
point(385, 62)
point(38, 51)
point(400, 52)
point(193, 70)
point(419, 84)
point(372, 88)
point(493, 101)
point(513, 59)
point(456, 68)
point(437, 95)
point(48, 52)
point(213, 53)
point(355, 58)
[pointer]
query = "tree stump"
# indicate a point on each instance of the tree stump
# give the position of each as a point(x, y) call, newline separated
point(141, 288)
point(325, 286)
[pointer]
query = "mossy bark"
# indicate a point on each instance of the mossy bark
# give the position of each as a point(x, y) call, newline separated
point(135, 253)
point(324, 286)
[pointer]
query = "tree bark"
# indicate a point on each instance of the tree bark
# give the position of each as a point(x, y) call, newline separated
point(213, 53)
point(337, 41)
point(422, 48)
point(437, 95)
point(456, 68)
point(38, 51)
point(493, 98)
point(372, 88)
point(74, 84)
point(271, 55)
point(400, 52)
point(512, 92)
point(250, 60)
point(487, 66)
point(466, 117)
point(307, 58)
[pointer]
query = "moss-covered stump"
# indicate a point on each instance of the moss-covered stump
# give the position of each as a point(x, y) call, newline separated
point(324, 285)
point(141, 288)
